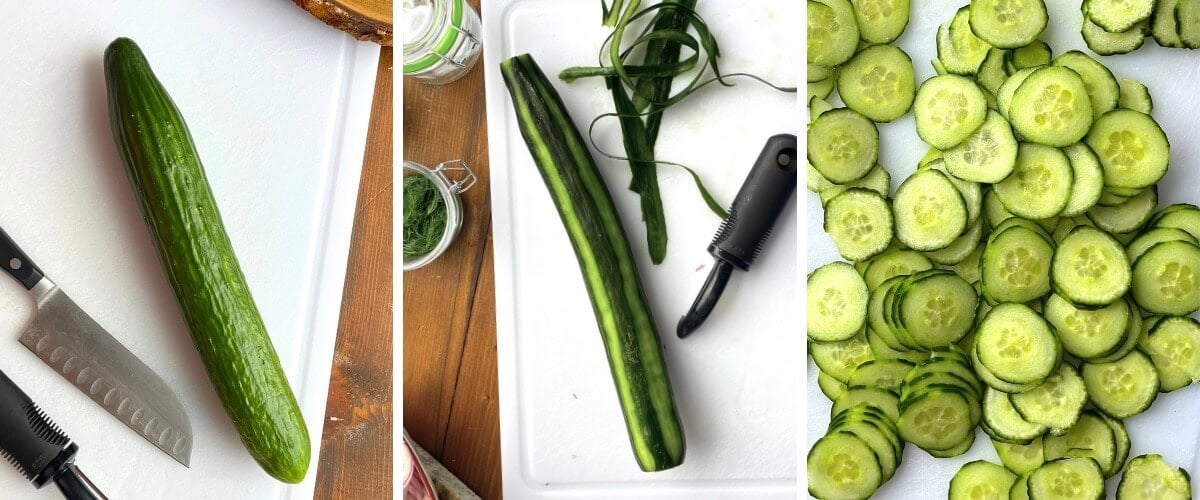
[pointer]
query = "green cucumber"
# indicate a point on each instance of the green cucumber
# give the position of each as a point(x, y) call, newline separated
point(606, 262)
point(181, 214)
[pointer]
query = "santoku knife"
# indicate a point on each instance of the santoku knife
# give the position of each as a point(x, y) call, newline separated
point(37, 447)
point(79, 349)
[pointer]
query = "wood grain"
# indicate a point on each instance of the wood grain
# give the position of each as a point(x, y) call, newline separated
point(450, 392)
point(356, 442)
point(369, 20)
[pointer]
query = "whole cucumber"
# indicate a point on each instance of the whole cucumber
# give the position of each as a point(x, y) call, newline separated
point(177, 203)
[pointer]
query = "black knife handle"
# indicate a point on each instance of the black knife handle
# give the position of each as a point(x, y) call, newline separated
point(17, 264)
point(767, 189)
point(76, 486)
point(36, 446)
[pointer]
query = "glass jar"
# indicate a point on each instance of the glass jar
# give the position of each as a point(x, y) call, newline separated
point(441, 40)
point(451, 178)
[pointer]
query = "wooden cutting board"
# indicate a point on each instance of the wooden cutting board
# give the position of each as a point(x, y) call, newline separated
point(364, 19)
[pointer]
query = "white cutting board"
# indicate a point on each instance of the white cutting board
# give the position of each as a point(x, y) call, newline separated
point(1168, 428)
point(278, 104)
point(562, 435)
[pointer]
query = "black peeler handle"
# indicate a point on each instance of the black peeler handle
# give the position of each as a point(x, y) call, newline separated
point(767, 189)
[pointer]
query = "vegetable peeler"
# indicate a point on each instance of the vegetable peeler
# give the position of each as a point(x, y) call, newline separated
point(767, 189)
point(37, 447)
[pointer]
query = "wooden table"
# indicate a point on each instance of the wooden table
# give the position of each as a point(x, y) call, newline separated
point(356, 445)
point(450, 395)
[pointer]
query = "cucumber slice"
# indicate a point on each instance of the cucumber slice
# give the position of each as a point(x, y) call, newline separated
point(1174, 343)
point(987, 155)
point(878, 83)
point(1067, 479)
point(895, 263)
point(1102, 88)
point(882, 350)
point(1016, 345)
point(1180, 216)
point(881, 21)
point(876, 438)
point(1123, 388)
point(1090, 437)
point(1087, 179)
point(937, 420)
point(1021, 458)
point(1090, 268)
point(823, 88)
point(1005, 423)
point(1051, 107)
point(882, 373)
point(881, 399)
point(1121, 438)
point(981, 480)
point(993, 209)
point(991, 73)
point(832, 32)
point(830, 387)
point(1088, 333)
point(1040, 184)
point(1135, 96)
point(1008, 23)
point(929, 211)
point(860, 223)
point(955, 451)
point(1126, 217)
point(991, 380)
point(1187, 19)
point(1015, 266)
point(948, 109)
point(1163, 27)
point(816, 181)
point(840, 359)
point(1166, 279)
point(1107, 43)
point(959, 50)
point(1009, 89)
point(1132, 148)
point(843, 466)
point(877, 179)
point(1037, 53)
point(1149, 476)
point(937, 310)
point(1118, 15)
point(837, 303)
point(1133, 334)
point(1055, 403)
point(971, 192)
point(843, 145)
point(816, 72)
point(1020, 489)
point(1154, 236)
point(959, 368)
point(961, 248)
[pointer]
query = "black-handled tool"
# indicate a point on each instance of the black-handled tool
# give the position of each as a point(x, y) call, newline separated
point(17, 264)
point(764, 194)
point(37, 447)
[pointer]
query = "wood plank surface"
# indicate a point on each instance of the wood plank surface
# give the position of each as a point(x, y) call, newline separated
point(356, 444)
point(450, 392)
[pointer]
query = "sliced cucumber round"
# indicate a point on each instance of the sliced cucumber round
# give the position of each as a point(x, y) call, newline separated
point(881, 21)
point(843, 145)
point(1090, 268)
point(1008, 23)
point(1166, 279)
point(987, 155)
point(1149, 476)
point(1051, 107)
point(878, 82)
point(832, 32)
point(860, 223)
point(1040, 184)
point(981, 480)
point(1016, 345)
point(837, 303)
point(1123, 388)
point(1087, 180)
point(948, 109)
point(1102, 88)
point(1132, 148)
point(842, 466)
point(929, 211)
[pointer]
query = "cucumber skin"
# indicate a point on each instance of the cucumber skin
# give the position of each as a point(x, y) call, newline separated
point(170, 185)
point(606, 262)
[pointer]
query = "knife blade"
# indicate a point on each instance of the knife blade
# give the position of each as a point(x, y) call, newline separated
point(64, 337)
point(37, 447)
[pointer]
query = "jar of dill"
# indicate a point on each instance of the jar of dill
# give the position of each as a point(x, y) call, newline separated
point(433, 211)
